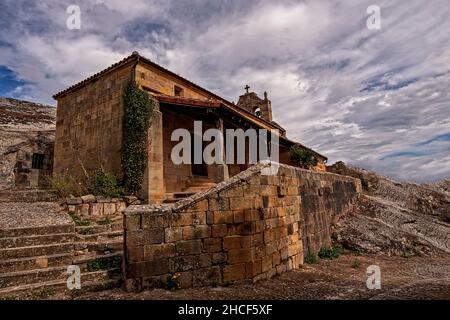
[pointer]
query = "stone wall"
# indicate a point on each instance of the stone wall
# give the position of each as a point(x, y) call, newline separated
point(157, 81)
point(89, 125)
point(250, 227)
point(92, 207)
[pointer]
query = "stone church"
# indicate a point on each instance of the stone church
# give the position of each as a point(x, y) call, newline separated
point(89, 127)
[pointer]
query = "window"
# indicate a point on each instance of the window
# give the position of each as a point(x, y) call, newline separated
point(178, 91)
point(38, 161)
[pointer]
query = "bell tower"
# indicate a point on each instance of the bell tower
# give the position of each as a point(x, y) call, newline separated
point(254, 104)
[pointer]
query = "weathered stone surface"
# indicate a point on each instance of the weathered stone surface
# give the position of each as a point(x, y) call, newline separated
point(74, 200)
point(96, 209)
point(214, 239)
point(88, 198)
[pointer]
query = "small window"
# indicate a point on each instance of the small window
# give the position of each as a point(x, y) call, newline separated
point(142, 75)
point(38, 161)
point(178, 91)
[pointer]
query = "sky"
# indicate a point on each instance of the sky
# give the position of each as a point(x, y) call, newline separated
point(373, 98)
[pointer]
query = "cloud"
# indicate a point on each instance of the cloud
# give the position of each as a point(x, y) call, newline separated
point(374, 98)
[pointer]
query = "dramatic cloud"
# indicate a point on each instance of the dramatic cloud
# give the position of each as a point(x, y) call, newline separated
point(374, 98)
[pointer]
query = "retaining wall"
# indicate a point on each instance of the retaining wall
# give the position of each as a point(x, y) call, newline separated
point(252, 226)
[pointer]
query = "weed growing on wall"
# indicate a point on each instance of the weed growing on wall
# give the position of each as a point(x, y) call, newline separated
point(138, 110)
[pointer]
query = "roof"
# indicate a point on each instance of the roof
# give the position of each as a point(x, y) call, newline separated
point(215, 104)
point(135, 57)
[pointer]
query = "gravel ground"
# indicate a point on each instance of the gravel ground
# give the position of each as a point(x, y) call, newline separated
point(401, 278)
point(34, 214)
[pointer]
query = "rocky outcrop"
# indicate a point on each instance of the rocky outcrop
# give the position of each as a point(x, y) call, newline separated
point(25, 128)
point(396, 218)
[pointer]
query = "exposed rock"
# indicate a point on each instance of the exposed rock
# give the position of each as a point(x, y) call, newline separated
point(73, 200)
point(396, 218)
point(88, 198)
point(25, 128)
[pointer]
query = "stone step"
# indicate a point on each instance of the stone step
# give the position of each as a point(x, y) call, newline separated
point(35, 231)
point(102, 236)
point(95, 229)
point(101, 247)
point(16, 278)
point(35, 251)
point(22, 264)
point(27, 241)
point(83, 260)
point(28, 196)
point(90, 281)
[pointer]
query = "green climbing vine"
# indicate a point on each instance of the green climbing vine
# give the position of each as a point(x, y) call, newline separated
point(138, 110)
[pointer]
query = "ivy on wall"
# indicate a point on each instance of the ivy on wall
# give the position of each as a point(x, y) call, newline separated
point(138, 110)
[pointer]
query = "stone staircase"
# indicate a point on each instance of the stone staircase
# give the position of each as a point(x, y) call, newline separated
point(100, 246)
point(197, 184)
point(28, 196)
point(35, 259)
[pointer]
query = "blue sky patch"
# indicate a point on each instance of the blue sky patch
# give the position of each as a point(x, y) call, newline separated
point(8, 81)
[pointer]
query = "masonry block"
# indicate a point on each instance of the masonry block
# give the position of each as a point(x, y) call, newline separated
point(96, 209)
point(240, 255)
point(223, 217)
point(234, 272)
point(132, 222)
point(183, 263)
point(147, 268)
point(189, 247)
point(219, 203)
point(199, 206)
point(154, 221)
point(219, 230)
point(155, 251)
point(253, 268)
point(173, 234)
point(211, 276)
point(199, 218)
point(196, 232)
point(219, 258)
point(143, 237)
point(232, 242)
point(135, 253)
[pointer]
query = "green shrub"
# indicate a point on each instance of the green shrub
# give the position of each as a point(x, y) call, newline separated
point(330, 253)
point(302, 157)
point(44, 293)
point(104, 184)
point(86, 231)
point(78, 221)
point(104, 264)
point(104, 221)
point(66, 185)
point(138, 110)
point(310, 258)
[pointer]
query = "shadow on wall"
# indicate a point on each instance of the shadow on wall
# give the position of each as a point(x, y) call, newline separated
point(33, 162)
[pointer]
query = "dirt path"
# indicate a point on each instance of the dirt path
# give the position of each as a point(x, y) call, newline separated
point(343, 278)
